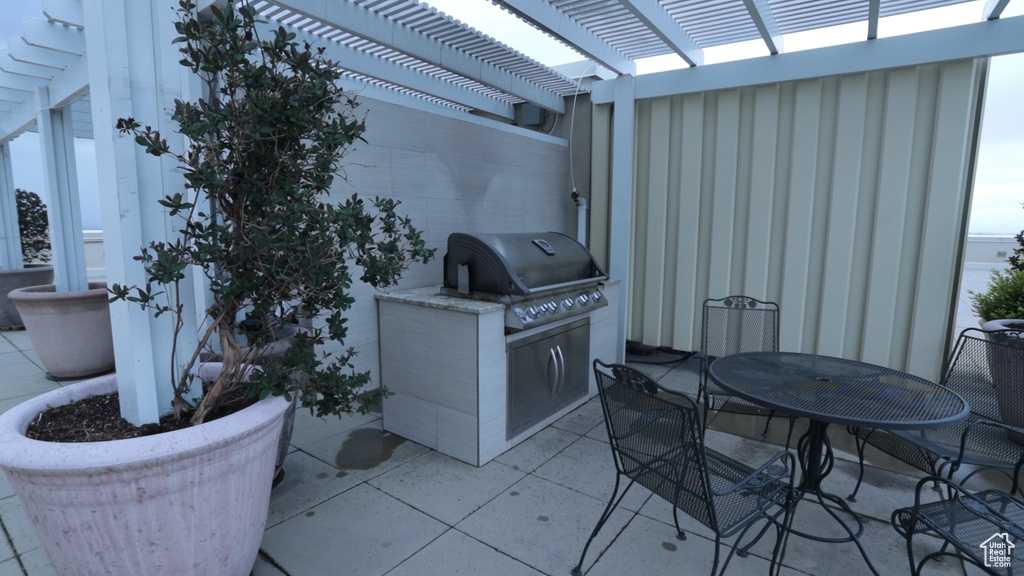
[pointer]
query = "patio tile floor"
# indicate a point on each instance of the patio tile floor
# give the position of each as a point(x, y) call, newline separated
point(357, 500)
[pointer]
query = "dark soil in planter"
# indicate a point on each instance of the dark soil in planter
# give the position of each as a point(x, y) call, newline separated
point(98, 419)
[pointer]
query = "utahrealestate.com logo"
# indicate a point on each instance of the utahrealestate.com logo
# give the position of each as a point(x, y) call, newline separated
point(997, 550)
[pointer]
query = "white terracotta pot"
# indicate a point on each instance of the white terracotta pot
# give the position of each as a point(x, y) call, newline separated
point(30, 275)
point(193, 501)
point(70, 331)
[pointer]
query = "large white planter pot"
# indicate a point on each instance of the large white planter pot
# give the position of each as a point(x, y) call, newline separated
point(193, 501)
point(70, 331)
point(30, 275)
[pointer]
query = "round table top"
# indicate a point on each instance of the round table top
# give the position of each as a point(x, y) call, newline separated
point(838, 390)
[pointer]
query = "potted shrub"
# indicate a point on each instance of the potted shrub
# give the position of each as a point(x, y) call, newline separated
point(262, 149)
point(1001, 305)
point(34, 229)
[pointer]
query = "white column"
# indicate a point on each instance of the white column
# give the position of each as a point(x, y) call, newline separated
point(134, 72)
point(57, 147)
point(621, 211)
point(10, 236)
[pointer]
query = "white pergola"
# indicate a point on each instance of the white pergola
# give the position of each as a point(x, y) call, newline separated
point(81, 64)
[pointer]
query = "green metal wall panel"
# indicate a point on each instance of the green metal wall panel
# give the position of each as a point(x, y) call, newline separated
point(843, 199)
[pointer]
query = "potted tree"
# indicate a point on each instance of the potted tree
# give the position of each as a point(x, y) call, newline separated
point(263, 149)
point(34, 228)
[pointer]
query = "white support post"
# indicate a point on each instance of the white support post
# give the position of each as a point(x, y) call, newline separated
point(621, 209)
point(134, 72)
point(57, 142)
point(10, 235)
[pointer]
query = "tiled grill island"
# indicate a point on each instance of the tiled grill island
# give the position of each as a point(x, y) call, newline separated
point(445, 359)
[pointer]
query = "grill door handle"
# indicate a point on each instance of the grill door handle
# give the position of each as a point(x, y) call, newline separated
point(561, 372)
point(553, 359)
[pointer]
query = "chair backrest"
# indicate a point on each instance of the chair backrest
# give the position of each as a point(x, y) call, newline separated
point(737, 324)
point(988, 371)
point(657, 443)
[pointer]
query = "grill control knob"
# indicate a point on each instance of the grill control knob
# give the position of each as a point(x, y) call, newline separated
point(522, 314)
point(567, 303)
point(532, 311)
point(596, 296)
point(552, 307)
point(582, 299)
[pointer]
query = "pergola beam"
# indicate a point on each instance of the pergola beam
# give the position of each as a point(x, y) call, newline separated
point(978, 40)
point(994, 9)
point(45, 34)
point(22, 51)
point(874, 11)
point(11, 95)
point(365, 23)
point(12, 66)
point(766, 25)
point(67, 12)
point(376, 67)
point(20, 118)
point(654, 16)
point(545, 16)
point(65, 87)
point(70, 84)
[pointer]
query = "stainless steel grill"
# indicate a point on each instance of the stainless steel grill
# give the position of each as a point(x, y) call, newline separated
point(540, 277)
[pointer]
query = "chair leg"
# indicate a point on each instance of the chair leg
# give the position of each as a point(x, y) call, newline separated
point(613, 503)
point(767, 422)
point(861, 445)
point(782, 538)
point(789, 435)
point(745, 550)
point(952, 467)
point(714, 565)
point(771, 521)
point(679, 531)
point(914, 568)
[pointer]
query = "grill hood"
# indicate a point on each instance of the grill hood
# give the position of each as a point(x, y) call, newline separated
point(517, 264)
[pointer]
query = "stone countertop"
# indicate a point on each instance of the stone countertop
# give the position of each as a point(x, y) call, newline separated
point(431, 297)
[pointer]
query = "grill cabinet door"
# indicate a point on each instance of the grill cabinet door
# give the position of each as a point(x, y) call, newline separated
point(546, 372)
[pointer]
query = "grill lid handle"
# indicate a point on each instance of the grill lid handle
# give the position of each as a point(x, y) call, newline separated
point(463, 279)
point(545, 246)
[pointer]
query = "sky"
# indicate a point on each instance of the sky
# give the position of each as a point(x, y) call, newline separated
point(999, 183)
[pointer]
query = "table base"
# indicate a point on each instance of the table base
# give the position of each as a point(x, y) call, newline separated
point(816, 460)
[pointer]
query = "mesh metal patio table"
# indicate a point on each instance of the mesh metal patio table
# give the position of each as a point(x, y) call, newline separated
point(828, 390)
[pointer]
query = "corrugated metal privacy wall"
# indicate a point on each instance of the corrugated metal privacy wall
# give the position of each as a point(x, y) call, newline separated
point(844, 199)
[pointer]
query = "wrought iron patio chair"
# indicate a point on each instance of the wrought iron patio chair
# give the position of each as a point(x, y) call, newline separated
point(976, 528)
point(657, 441)
point(989, 374)
point(732, 325)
